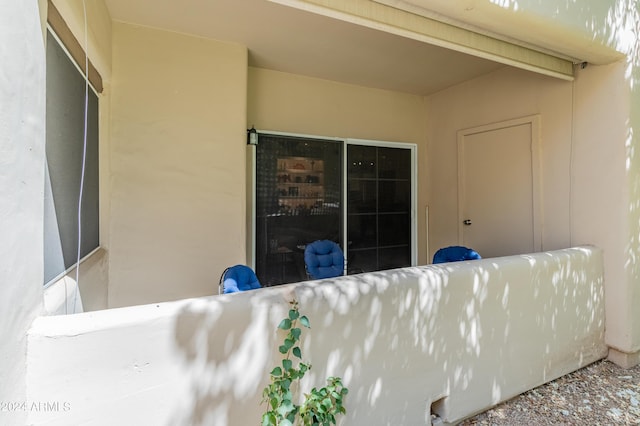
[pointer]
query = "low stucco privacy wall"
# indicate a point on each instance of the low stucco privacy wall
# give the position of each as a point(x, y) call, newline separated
point(467, 334)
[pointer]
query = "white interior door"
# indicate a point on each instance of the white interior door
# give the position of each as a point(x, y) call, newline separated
point(498, 188)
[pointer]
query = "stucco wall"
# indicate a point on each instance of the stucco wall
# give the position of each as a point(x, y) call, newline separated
point(177, 155)
point(600, 200)
point(607, 106)
point(292, 103)
point(22, 109)
point(474, 333)
point(577, 29)
point(583, 153)
point(502, 95)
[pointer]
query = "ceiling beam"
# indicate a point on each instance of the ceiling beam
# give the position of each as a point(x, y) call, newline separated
point(381, 17)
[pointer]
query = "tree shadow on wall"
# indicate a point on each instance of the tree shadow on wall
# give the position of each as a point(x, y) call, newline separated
point(468, 335)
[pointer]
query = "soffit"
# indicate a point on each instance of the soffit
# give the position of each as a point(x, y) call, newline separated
point(294, 40)
point(583, 34)
point(377, 14)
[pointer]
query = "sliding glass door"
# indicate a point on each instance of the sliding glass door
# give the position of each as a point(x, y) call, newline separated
point(307, 189)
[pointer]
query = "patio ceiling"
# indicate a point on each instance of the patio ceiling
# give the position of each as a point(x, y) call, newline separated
point(291, 40)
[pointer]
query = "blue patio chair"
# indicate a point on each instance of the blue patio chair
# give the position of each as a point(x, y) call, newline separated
point(238, 278)
point(455, 254)
point(323, 259)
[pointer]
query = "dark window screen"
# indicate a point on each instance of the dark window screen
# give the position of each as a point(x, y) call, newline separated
point(378, 207)
point(64, 150)
point(298, 201)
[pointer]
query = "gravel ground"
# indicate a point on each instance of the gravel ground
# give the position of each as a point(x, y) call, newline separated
point(599, 394)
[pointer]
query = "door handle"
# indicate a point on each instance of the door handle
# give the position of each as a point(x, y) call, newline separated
point(467, 222)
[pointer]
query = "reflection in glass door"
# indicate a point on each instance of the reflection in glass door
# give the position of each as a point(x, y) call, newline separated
point(379, 206)
point(300, 185)
point(298, 200)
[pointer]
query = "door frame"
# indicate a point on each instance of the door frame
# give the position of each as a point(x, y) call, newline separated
point(414, 188)
point(534, 121)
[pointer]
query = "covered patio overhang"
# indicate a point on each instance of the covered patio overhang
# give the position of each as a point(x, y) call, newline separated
point(173, 195)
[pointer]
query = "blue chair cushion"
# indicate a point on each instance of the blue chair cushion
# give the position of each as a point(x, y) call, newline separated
point(324, 259)
point(239, 278)
point(455, 254)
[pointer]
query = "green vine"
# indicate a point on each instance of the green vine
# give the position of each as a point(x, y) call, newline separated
point(320, 406)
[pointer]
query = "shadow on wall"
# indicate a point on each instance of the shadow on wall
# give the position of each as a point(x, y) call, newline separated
point(453, 339)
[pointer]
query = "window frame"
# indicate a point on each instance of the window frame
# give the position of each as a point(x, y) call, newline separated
point(49, 205)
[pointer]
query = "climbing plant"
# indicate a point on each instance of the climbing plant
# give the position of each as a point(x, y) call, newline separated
point(320, 407)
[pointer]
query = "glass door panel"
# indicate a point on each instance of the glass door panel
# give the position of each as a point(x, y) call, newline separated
point(379, 205)
point(298, 200)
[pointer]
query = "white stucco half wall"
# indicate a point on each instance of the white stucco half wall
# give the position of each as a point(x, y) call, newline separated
point(468, 334)
point(22, 110)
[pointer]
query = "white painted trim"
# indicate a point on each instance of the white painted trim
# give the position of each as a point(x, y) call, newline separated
point(251, 198)
point(299, 135)
point(461, 187)
point(535, 122)
point(385, 144)
point(71, 268)
point(345, 185)
point(426, 232)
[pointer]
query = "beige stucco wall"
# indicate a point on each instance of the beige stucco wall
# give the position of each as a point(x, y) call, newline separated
point(22, 138)
point(502, 95)
point(577, 29)
point(600, 199)
point(177, 152)
point(605, 203)
point(583, 162)
point(475, 333)
point(292, 103)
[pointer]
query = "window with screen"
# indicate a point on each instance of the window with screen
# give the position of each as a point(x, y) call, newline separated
point(66, 148)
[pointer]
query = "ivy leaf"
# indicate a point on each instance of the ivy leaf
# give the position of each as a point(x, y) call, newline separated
point(285, 408)
point(287, 364)
point(295, 332)
point(285, 324)
point(326, 402)
point(276, 371)
point(268, 419)
point(286, 384)
point(320, 406)
point(289, 343)
point(305, 321)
